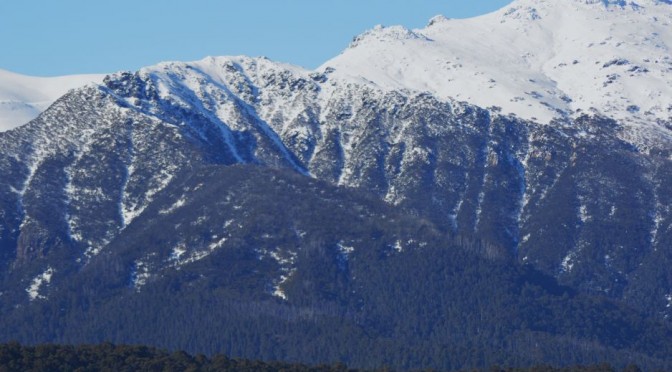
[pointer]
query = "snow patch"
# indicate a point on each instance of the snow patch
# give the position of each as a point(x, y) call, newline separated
point(177, 253)
point(92, 251)
point(583, 214)
point(345, 250)
point(526, 238)
point(286, 260)
point(277, 288)
point(217, 244)
point(140, 275)
point(180, 256)
point(344, 253)
point(37, 283)
point(131, 209)
point(178, 204)
point(658, 220)
point(568, 262)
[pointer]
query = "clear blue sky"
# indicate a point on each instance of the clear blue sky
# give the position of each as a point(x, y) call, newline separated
point(57, 37)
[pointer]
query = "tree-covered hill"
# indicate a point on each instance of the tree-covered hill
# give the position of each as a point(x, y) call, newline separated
point(121, 358)
point(271, 265)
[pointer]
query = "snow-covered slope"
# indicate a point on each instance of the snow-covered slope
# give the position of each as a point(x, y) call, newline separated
point(580, 199)
point(22, 98)
point(99, 157)
point(539, 59)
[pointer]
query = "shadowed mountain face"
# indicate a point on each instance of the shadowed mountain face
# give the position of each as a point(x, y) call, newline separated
point(254, 262)
point(219, 181)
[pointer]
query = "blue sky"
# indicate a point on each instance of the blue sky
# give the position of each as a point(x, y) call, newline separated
point(57, 37)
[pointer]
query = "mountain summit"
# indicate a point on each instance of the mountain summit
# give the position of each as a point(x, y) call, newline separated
point(537, 59)
point(603, 3)
point(23, 98)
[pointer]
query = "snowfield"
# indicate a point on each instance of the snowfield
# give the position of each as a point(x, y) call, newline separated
point(538, 59)
point(23, 98)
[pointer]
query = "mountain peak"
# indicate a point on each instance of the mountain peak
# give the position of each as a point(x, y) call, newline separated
point(538, 59)
point(386, 34)
point(624, 3)
point(599, 4)
point(438, 19)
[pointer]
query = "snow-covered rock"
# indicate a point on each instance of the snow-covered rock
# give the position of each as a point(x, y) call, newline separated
point(538, 59)
point(561, 192)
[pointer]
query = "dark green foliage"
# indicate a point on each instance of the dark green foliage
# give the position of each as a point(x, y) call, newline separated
point(121, 358)
point(118, 358)
point(407, 296)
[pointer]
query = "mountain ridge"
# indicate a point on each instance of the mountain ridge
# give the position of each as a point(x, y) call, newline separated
point(525, 59)
point(169, 180)
point(465, 168)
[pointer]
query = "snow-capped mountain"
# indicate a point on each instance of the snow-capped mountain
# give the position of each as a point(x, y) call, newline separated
point(23, 98)
point(538, 59)
point(107, 187)
point(562, 197)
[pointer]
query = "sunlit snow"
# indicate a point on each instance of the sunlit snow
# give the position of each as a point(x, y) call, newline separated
point(23, 98)
point(538, 59)
point(37, 283)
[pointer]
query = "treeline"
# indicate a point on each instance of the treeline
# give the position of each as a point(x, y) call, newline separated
point(594, 368)
point(119, 358)
point(110, 357)
point(435, 302)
